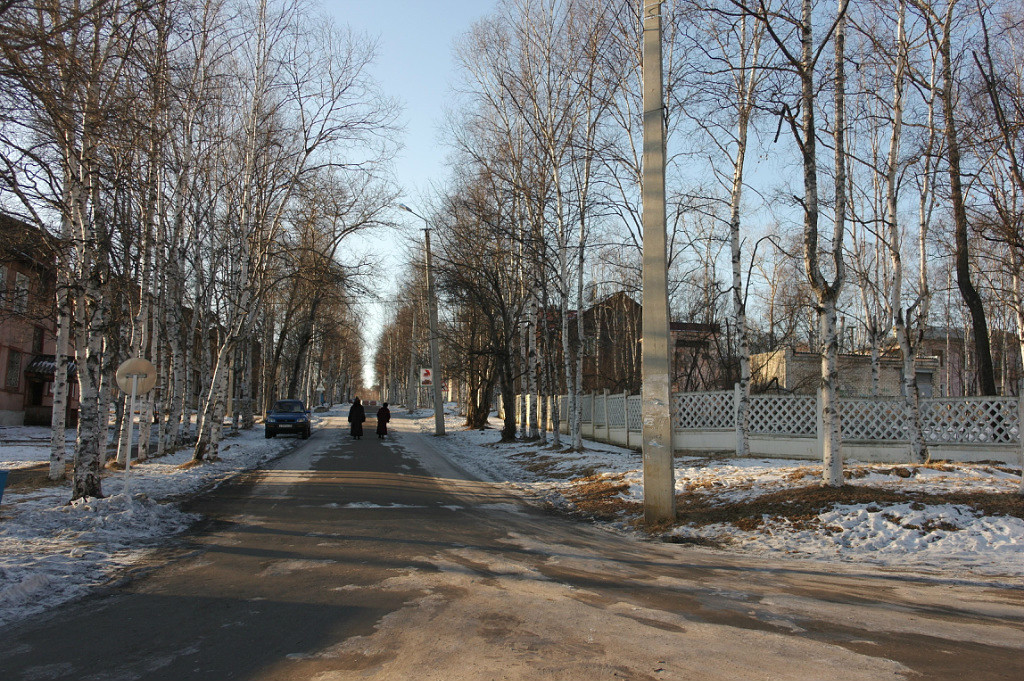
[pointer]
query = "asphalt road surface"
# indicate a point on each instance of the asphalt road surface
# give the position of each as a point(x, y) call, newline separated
point(367, 560)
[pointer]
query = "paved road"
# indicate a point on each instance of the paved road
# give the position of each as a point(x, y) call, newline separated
point(368, 560)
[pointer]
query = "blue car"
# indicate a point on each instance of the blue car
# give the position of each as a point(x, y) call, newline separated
point(287, 416)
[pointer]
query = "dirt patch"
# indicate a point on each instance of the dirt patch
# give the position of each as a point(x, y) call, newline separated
point(804, 504)
point(600, 497)
point(33, 478)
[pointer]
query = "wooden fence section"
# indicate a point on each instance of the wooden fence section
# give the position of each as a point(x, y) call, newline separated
point(788, 426)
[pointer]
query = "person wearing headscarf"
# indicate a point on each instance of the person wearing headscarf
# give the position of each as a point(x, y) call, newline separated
point(356, 416)
point(383, 416)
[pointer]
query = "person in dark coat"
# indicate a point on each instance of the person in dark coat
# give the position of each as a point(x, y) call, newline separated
point(356, 416)
point(383, 416)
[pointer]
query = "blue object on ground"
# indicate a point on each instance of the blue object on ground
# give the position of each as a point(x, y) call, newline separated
point(3, 483)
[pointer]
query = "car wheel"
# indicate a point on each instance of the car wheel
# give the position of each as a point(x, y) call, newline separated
point(268, 433)
point(305, 433)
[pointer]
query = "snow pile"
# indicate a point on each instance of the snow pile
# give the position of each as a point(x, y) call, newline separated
point(895, 535)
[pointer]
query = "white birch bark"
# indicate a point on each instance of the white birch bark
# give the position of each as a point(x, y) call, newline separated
point(61, 385)
point(532, 366)
point(901, 317)
point(745, 81)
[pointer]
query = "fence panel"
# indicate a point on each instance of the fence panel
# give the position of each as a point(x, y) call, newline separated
point(616, 411)
point(587, 410)
point(970, 420)
point(783, 415)
point(703, 411)
point(873, 419)
point(599, 410)
point(635, 419)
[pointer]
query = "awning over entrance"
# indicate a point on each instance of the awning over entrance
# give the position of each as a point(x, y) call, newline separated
point(45, 366)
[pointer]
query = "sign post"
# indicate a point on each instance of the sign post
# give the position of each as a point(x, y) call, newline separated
point(135, 376)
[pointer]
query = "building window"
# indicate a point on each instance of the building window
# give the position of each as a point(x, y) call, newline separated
point(13, 370)
point(3, 286)
point(925, 388)
point(20, 302)
point(38, 337)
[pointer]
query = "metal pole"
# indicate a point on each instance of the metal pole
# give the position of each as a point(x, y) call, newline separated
point(659, 485)
point(414, 382)
point(131, 432)
point(435, 360)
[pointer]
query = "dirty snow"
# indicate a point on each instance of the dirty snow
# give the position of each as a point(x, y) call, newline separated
point(52, 551)
point(913, 536)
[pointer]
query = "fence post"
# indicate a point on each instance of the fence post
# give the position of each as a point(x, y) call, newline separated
point(593, 405)
point(819, 425)
point(736, 415)
point(1020, 431)
point(625, 414)
point(607, 426)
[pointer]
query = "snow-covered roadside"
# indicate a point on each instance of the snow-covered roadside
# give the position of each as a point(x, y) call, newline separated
point(22, 446)
point(51, 552)
point(908, 534)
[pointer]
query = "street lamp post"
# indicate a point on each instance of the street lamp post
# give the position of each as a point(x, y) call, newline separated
point(435, 360)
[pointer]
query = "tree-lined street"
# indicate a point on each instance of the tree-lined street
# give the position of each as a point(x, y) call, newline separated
point(359, 559)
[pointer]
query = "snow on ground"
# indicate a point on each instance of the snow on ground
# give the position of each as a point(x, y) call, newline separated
point(22, 446)
point(911, 534)
point(52, 551)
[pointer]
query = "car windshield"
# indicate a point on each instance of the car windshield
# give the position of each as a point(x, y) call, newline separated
point(288, 407)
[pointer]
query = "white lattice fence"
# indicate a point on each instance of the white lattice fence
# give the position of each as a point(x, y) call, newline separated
point(600, 410)
point(783, 415)
point(873, 419)
point(703, 411)
point(950, 421)
point(970, 420)
point(616, 411)
point(634, 419)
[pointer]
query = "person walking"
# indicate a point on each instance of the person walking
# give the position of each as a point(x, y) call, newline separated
point(383, 416)
point(356, 416)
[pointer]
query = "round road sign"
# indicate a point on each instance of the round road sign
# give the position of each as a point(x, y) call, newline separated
point(136, 366)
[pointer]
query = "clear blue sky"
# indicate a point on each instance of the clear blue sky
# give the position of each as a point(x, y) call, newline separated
point(414, 65)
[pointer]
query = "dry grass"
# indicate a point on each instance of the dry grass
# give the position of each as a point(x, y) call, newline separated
point(600, 497)
point(33, 478)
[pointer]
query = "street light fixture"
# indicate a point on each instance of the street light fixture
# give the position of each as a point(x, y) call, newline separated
point(435, 361)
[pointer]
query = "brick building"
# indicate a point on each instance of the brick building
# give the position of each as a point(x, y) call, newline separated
point(27, 326)
point(797, 371)
point(611, 359)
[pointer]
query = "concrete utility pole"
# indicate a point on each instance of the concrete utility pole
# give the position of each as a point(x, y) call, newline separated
point(435, 360)
point(659, 483)
point(414, 382)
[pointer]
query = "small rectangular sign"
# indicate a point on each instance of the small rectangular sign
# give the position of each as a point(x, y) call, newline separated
point(426, 376)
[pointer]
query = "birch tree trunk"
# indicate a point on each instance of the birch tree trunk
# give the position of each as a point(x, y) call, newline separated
point(901, 317)
point(61, 385)
point(745, 83)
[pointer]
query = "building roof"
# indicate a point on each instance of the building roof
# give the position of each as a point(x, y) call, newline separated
point(46, 366)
